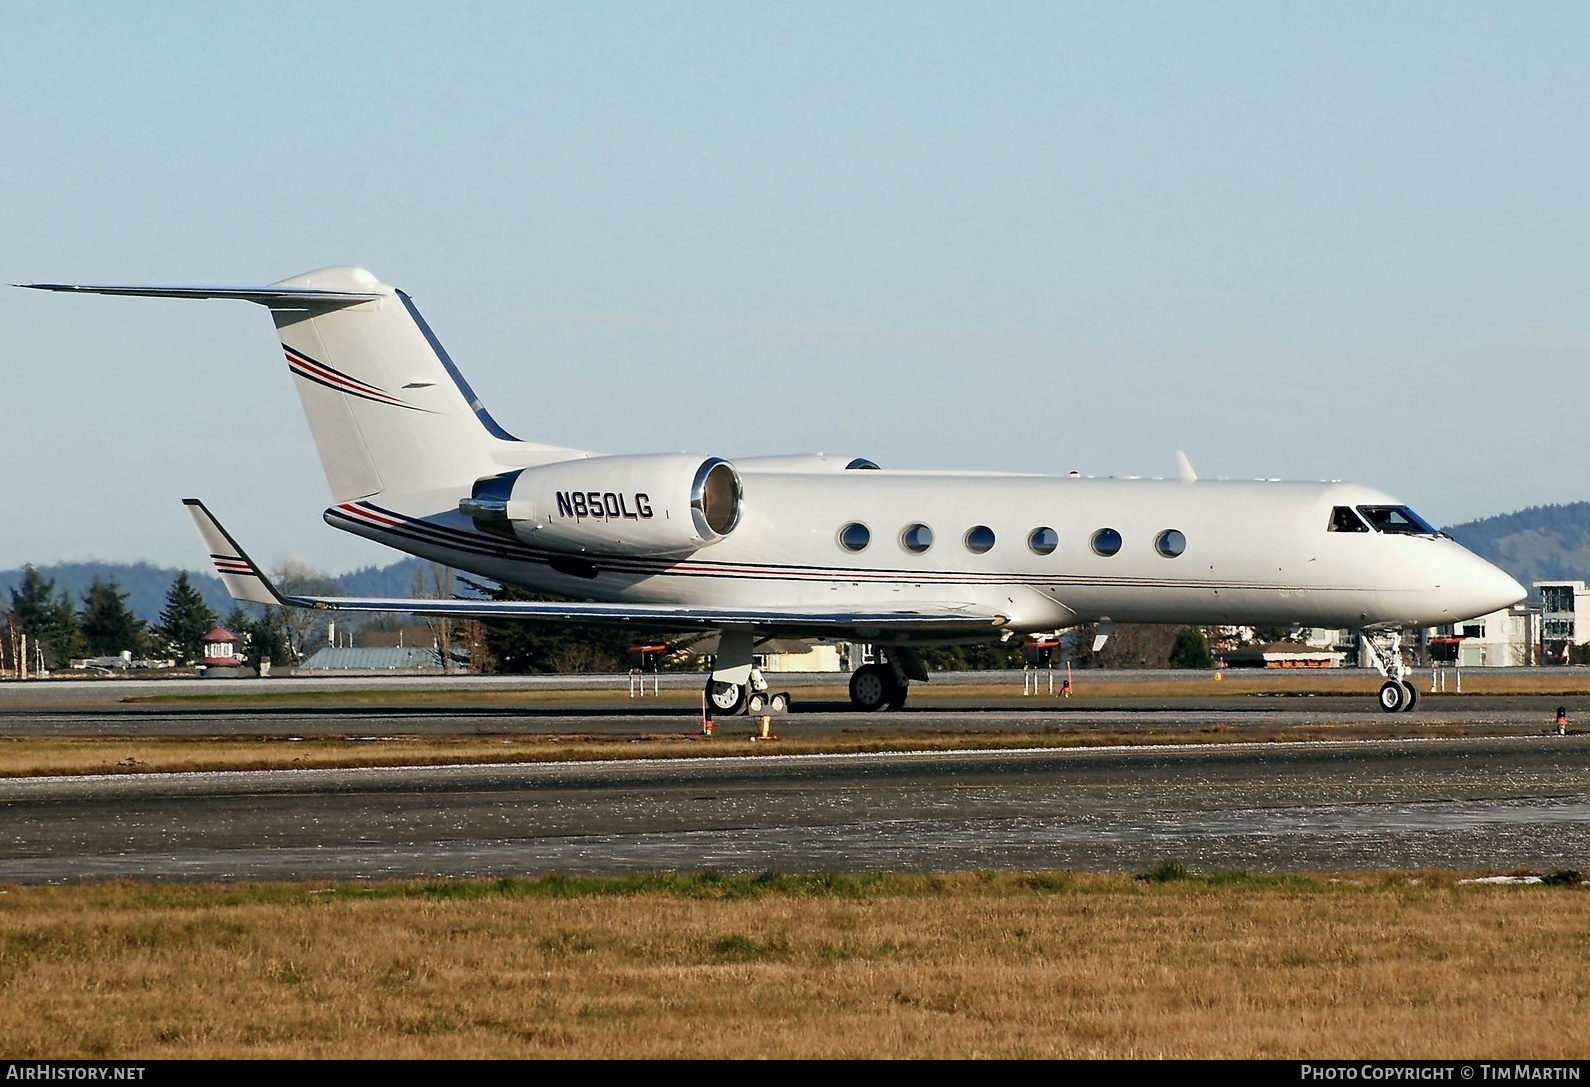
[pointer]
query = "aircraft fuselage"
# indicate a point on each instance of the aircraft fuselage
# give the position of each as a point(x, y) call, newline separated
point(1248, 552)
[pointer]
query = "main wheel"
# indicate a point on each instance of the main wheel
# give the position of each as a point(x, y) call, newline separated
point(1410, 696)
point(726, 698)
point(900, 691)
point(1392, 696)
point(872, 687)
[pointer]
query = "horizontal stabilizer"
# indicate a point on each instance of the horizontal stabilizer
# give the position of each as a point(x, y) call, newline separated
point(274, 297)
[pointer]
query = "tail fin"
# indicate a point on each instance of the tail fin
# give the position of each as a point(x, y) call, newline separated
point(389, 411)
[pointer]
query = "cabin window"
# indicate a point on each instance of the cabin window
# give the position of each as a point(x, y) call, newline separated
point(855, 536)
point(1170, 543)
point(979, 539)
point(916, 538)
point(1106, 542)
point(1398, 520)
point(1343, 519)
point(1043, 541)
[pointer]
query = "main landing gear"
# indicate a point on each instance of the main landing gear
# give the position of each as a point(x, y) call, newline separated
point(752, 696)
point(1397, 694)
point(885, 684)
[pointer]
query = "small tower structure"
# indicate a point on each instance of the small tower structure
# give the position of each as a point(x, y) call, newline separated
point(220, 649)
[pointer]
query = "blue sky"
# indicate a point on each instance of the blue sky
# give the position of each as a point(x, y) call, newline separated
point(1306, 241)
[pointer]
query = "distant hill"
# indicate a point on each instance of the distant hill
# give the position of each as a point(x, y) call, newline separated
point(146, 585)
point(1542, 543)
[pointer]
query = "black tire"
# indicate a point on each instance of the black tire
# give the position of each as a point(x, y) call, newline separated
point(898, 701)
point(1410, 696)
point(1392, 696)
point(726, 699)
point(872, 687)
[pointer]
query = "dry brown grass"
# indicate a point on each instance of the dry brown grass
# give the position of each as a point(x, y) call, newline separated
point(974, 965)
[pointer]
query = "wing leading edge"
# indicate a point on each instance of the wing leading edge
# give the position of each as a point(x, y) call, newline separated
point(246, 581)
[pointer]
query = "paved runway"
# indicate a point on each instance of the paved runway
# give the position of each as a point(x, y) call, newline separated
point(1489, 804)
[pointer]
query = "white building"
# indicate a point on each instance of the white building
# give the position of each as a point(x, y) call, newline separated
point(1503, 639)
point(1561, 603)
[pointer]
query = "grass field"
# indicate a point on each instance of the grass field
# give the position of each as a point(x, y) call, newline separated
point(900, 965)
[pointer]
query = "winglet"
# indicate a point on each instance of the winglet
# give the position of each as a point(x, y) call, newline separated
point(1186, 468)
point(242, 578)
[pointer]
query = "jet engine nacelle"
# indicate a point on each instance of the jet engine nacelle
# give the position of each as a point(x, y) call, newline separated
point(660, 505)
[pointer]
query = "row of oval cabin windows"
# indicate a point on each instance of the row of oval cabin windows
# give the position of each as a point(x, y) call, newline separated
point(979, 540)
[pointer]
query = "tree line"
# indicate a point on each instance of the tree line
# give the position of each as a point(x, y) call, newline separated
point(100, 624)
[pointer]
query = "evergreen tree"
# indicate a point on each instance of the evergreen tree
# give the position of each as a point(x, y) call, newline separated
point(261, 639)
point(32, 603)
point(107, 626)
point(185, 620)
point(65, 640)
point(46, 616)
point(1191, 650)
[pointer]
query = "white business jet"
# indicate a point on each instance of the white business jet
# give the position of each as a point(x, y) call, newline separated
point(814, 547)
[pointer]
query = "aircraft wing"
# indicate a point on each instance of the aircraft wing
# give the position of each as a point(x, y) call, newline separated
point(246, 581)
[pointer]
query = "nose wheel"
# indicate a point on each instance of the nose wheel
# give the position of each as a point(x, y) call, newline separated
point(1397, 695)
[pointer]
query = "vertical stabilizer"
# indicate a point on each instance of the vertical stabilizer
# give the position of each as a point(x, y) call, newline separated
point(389, 410)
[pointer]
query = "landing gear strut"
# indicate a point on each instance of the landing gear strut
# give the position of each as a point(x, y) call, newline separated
point(1385, 653)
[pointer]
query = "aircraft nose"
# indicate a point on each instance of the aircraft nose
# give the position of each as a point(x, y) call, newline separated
point(1484, 588)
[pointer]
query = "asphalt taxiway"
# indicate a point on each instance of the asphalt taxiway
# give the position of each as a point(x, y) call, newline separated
point(1487, 804)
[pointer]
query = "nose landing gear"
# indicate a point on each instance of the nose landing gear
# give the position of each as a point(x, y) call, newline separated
point(1397, 695)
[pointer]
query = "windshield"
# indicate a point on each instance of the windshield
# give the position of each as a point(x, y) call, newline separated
point(1397, 519)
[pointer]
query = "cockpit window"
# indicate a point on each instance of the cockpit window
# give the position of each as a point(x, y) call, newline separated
point(1397, 519)
point(1343, 519)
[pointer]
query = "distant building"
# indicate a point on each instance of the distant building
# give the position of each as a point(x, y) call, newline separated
point(1284, 655)
point(1561, 604)
point(780, 655)
point(1503, 639)
point(220, 649)
point(373, 660)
